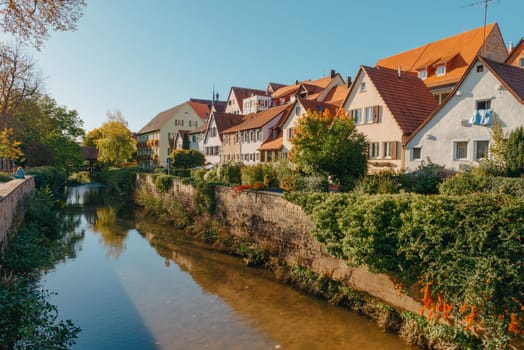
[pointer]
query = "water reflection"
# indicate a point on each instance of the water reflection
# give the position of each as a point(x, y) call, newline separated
point(153, 289)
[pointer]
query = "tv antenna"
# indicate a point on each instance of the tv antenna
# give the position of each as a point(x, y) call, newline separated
point(486, 4)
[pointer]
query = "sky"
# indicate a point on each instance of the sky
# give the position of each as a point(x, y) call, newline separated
point(144, 56)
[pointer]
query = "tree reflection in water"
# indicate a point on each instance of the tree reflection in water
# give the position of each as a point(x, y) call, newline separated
point(112, 233)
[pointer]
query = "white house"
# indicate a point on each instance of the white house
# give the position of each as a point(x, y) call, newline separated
point(212, 144)
point(458, 133)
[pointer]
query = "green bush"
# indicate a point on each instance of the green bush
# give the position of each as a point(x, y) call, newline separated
point(5, 177)
point(163, 182)
point(425, 180)
point(476, 182)
point(187, 158)
point(467, 250)
point(383, 183)
point(51, 177)
point(252, 174)
point(230, 173)
point(514, 152)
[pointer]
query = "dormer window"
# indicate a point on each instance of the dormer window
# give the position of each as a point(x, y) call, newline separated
point(423, 74)
point(440, 70)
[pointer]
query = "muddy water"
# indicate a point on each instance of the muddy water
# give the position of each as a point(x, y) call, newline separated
point(130, 288)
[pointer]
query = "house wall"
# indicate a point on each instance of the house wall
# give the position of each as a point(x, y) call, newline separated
point(386, 130)
point(495, 46)
point(450, 124)
point(232, 148)
point(232, 105)
point(14, 197)
point(199, 143)
point(252, 147)
point(516, 56)
point(291, 122)
point(212, 141)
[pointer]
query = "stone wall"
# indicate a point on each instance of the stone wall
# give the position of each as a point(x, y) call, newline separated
point(14, 196)
point(269, 220)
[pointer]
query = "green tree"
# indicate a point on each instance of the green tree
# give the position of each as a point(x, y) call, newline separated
point(92, 136)
point(116, 146)
point(514, 152)
point(10, 149)
point(186, 159)
point(326, 144)
point(495, 163)
point(185, 140)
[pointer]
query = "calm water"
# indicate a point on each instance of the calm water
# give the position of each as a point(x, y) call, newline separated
point(128, 289)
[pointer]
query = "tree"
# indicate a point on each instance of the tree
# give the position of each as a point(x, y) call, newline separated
point(31, 20)
point(326, 144)
point(9, 149)
point(495, 163)
point(514, 152)
point(185, 141)
point(116, 145)
point(186, 159)
point(19, 81)
point(48, 133)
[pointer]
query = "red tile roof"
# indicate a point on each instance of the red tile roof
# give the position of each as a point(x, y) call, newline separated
point(270, 144)
point(408, 99)
point(311, 105)
point(257, 120)
point(459, 50)
point(337, 95)
point(202, 109)
point(225, 121)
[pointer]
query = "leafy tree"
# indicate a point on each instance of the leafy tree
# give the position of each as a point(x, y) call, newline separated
point(116, 145)
point(326, 144)
point(186, 159)
point(495, 163)
point(92, 136)
point(30, 20)
point(9, 148)
point(514, 152)
point(48, 133)
point(185, 141)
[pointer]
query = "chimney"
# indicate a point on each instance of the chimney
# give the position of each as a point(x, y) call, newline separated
point(332, 73)
point(510, 48)
point(348, 81)
point(296, 82)
point(399, 71)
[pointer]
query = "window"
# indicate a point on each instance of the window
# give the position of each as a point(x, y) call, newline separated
point(373, 150)
point(423, 74)
point(390, 150)
point(290, 133)
point(193, 138)
point(480, 68)
point(213, 132)
point(481, 149)
point(356, 115)
point(189, 123)
point(415, 153)
point(460, 150)
point(362, 87)
point(298, 110)
point(258, 135)
point(369, 115)
point(484, 105)
point(251, 136)
point(196, 124)
point(521, 63)
point(387, 150)
point(441, 70)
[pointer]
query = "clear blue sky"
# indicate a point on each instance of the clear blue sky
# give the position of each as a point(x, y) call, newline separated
point(144, 56)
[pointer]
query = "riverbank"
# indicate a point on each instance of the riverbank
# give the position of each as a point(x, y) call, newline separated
point(279, 232)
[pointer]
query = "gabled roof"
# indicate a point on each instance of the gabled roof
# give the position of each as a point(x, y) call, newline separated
point(272, 87)
point(224, 121)
point(457, 50)
point(220, 106)
point(242, 93)
point(259, 119)
point(516, 50)
point(337, 95)
point(311, 86)
point(511, 77)
point(201, 108)
point(273, 144)
point(407, 98)
point(160, 119)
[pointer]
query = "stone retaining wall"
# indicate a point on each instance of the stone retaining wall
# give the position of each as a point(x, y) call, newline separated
point(14, 197)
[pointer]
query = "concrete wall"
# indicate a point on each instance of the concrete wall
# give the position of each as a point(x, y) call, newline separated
point(14, 196)
point(269, 220)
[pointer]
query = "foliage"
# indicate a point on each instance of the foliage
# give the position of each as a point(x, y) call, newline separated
point(50, 177)
point(9, 147)
point(475, 181)
point(465, 252)
point(163, 182)
point(260, 173)
point(116, 145)
point(329, 145)
point(230, 173)
point(28, 319)
point(425, 180)
point(48, 133)
point(30, 21)
point(514, 152)
point(495, 163)
point(382, 183)
point(187, 158)
point(165, 210)
point(119, 187)
point(5, 177)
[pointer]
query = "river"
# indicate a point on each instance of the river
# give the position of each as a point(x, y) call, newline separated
point(127, 289)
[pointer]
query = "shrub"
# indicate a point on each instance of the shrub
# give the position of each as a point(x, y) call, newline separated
point(230, 173)
point(475, 182)
point(382, 183)
point(5, 177)
point(163, 182)
point(187, 158)
point(514, 152)
point(51, 177)
point(425, 180)
point(252, 174)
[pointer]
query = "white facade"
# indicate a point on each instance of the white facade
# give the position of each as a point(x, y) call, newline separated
point(251, 140)
point(458, 134)
point(288, 129)
point(212, 145)
point(256, 103)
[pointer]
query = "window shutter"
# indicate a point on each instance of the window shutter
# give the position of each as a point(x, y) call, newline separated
point(394, 150)
point(376, 112)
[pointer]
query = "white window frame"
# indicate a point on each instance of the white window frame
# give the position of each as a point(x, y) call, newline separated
point(369, 115)
point(455, 150)
point(476, 149)
point(358, 116)
point(374, 150)
point(440, 67)
point(387, 149)
point(423, 74)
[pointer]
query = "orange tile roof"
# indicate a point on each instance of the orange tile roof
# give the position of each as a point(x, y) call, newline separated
point(516, 51)
point(272, 144)
point(337, 95)
point(202, 109)
point(310, 105)
point(457, 50)
point(408, 99)
point(259, 119)
point(285, 90)
point(311, 86)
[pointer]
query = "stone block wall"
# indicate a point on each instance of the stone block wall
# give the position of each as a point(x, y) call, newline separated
point(14, 197)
